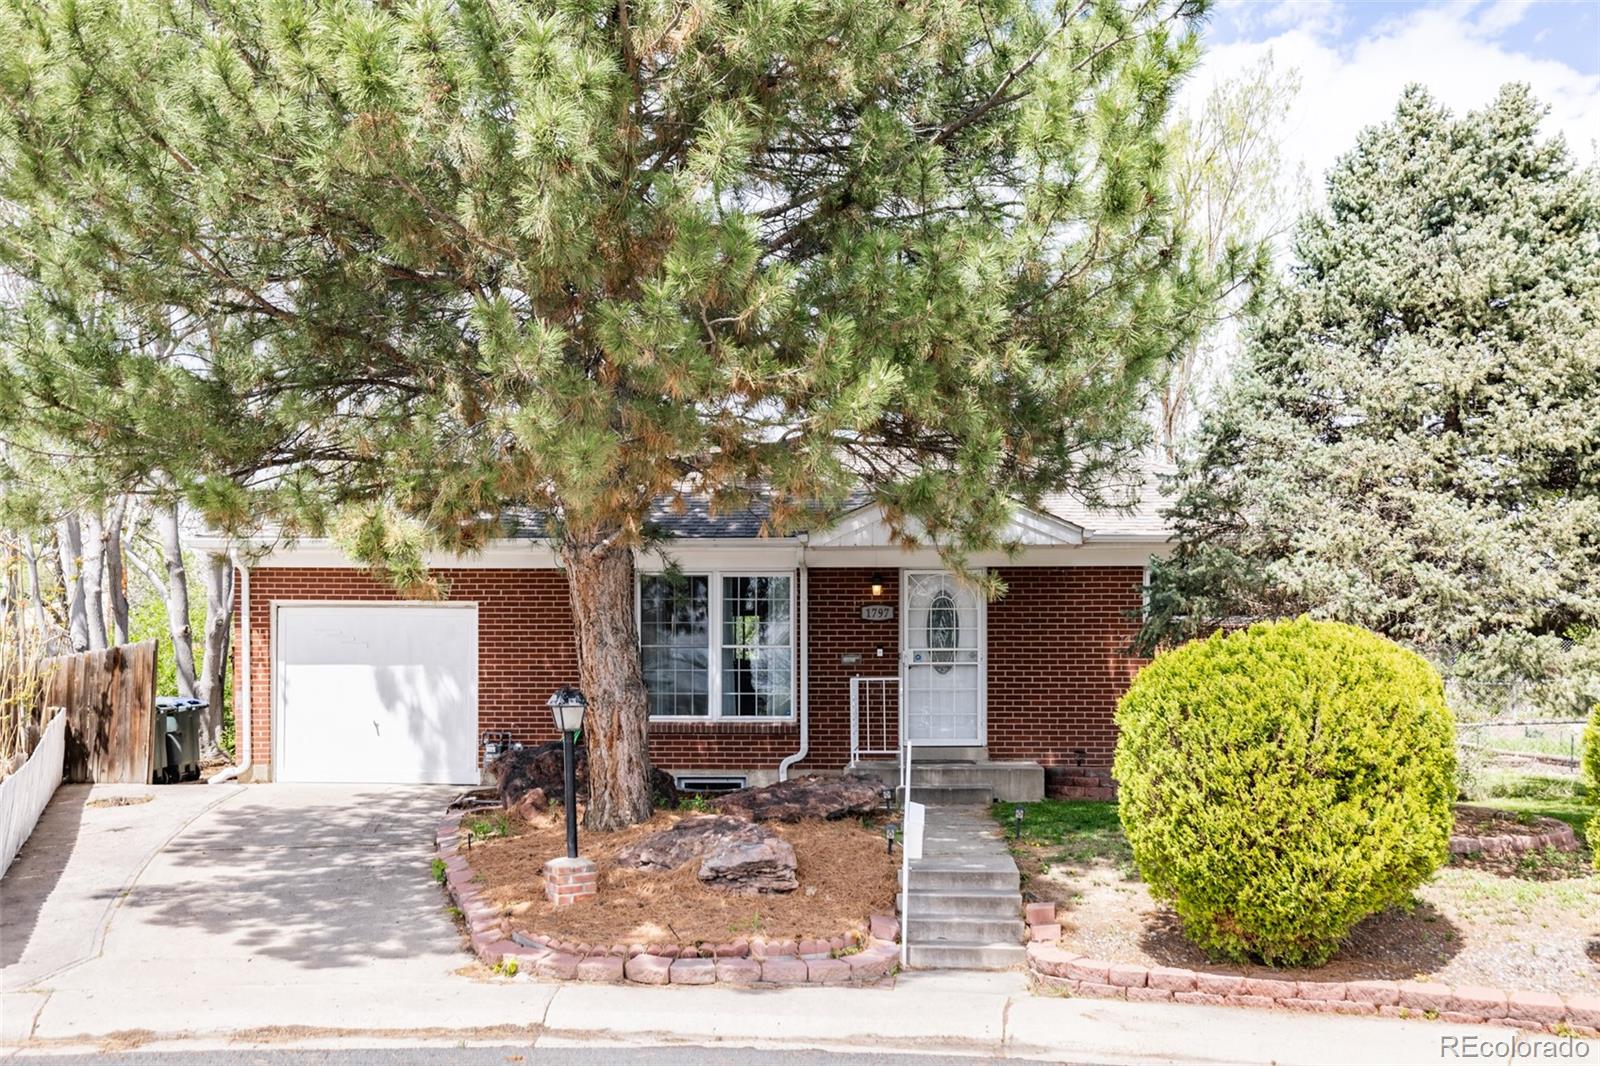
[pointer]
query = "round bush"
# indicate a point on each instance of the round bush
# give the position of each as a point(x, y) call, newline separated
point(1280, 784)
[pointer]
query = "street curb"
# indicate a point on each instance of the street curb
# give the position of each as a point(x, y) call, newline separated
point(855, 957)
point(1055, 969)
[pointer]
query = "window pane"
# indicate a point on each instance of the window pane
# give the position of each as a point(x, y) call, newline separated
point(757, 647)
point(674, 629)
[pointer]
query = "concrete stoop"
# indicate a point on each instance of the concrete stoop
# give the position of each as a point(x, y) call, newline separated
point(965, 899)
point(954, 783)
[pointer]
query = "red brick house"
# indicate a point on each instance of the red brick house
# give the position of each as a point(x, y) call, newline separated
point(763, 656)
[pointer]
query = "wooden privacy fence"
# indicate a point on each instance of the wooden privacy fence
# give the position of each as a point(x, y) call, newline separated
point(110, 699)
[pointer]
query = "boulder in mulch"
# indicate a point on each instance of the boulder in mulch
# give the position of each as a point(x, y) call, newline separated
point(748, 867)
point(520, 772)
point(735, 855)
point(803, 798)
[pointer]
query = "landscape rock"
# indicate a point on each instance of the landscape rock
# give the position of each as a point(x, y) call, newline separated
point(803, 798)
point(759, 866)
point(736, 855)
point(519, 772)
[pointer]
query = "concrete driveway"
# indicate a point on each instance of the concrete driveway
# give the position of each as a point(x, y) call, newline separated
point(222, 908)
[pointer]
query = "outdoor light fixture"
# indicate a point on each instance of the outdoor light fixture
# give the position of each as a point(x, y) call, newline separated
point(877, 584)
point(889, 831)
point(567, 707)
point(888, 797)
point(1016, 818)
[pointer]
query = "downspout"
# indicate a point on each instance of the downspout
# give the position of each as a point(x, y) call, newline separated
point(805, 671)
point(241, 701)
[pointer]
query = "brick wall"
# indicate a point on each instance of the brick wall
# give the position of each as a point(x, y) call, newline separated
point(525, 652)
point(1057, 662)
point(836, 630)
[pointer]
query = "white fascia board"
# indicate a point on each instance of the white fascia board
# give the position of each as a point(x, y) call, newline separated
point(712, 553)
point(320, 553)
point(1035, 555)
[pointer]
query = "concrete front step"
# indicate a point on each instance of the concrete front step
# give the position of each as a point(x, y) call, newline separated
point(949, 795)
point(966, 956)
point(964, 878)
point(962, 929)
point(1009, 782)
point(968, 902)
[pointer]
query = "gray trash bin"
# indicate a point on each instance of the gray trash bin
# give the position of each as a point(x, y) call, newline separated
point(178, 734)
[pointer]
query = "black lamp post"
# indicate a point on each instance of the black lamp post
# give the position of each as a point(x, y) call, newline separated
point(567, 707)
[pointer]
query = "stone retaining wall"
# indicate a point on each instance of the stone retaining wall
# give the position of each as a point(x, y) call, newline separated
point(1055, 968)
point(852, 958)
point(1557, 835)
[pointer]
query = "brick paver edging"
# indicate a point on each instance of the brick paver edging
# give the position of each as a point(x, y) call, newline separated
point(1056, 968)
point(1557, 834)
point(871, 957)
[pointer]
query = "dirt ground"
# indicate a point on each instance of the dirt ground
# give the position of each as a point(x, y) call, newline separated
point(1528, 922)
point(844, 876)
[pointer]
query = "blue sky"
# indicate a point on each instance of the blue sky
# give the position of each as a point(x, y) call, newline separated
point(1354, 56)
point(1567, 31)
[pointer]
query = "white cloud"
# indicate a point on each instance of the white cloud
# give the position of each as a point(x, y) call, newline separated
point(1451, 50)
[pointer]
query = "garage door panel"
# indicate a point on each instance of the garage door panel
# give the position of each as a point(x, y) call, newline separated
point(377, 694)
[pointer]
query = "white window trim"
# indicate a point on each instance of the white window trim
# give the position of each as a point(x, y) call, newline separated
point(714, 647)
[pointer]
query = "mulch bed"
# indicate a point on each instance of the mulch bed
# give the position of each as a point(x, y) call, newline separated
point(843, 870)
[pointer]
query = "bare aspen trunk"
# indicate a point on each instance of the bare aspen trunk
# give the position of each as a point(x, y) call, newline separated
point(601, 578)
point(94, 575)
point(166, 522)
point(69, 548)
point(214, 657)
point(116, 572)
point(32, 552)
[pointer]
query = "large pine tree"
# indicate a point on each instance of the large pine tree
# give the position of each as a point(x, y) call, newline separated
point(1413, 440)
point(388, 268)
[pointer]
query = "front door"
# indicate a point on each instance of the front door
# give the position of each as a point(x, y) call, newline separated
point(943, 660)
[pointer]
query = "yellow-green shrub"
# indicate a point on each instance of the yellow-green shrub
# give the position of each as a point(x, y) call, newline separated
point(1280, 784)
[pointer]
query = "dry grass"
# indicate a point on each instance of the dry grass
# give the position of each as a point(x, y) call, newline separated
point(1529, 921)
point(844, 875)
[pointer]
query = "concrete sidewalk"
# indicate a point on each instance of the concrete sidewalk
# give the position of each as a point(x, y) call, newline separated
point(989, 1015)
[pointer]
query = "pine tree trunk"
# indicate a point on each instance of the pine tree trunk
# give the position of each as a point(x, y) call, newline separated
point(69, 549)
point(214, 658)
point(600, 577)
point(166, 521)
point(94, 575)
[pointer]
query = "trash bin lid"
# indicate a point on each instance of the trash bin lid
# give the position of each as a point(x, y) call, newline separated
point(178, 703)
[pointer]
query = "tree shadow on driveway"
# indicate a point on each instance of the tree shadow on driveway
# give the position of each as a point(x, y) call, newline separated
point(317, 876)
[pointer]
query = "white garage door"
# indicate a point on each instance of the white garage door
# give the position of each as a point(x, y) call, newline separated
point(377, 693)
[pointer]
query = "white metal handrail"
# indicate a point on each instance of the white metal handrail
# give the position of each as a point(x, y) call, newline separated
point(874, 716)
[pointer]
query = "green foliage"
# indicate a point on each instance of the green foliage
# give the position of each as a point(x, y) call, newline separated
point(1280, 784)
point(1410, 443)
point(694, 802)
point(425, 261)
point(494, 825)
point(438, 869)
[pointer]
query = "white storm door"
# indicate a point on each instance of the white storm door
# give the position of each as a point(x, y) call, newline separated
point(943, 660)
point(377, 693)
